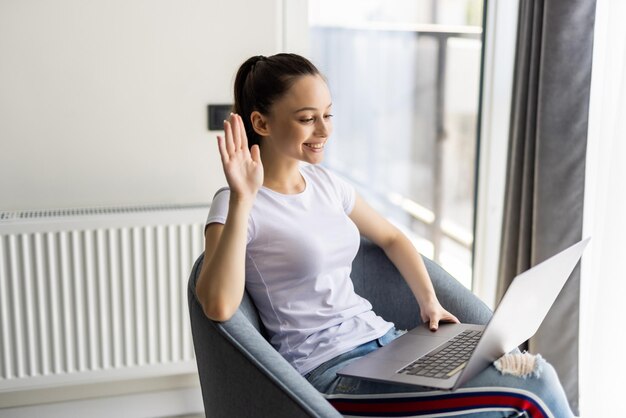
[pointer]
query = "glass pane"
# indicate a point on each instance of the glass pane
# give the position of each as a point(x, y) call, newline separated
point(404, 76)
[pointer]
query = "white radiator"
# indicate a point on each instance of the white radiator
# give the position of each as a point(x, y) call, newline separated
point(96, 294)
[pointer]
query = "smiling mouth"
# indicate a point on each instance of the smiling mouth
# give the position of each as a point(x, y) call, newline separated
point(315, 146)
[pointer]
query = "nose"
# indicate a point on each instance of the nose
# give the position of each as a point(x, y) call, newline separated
point(323, 127)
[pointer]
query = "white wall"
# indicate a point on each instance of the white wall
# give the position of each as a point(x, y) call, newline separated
point(104, 102)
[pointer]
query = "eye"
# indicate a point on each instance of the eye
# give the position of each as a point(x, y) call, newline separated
point(307, 120)
point(328, 116)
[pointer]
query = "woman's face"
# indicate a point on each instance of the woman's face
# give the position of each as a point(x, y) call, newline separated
point(299, 124)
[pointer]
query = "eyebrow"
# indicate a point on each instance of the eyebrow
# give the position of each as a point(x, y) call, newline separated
point(309, 108)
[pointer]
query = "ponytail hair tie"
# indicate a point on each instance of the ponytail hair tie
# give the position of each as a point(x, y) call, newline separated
point(259, 58)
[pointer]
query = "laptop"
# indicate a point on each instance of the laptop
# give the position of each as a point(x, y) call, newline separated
point(455, 353)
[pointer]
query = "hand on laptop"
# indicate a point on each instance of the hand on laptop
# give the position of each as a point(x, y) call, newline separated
point(432, 313)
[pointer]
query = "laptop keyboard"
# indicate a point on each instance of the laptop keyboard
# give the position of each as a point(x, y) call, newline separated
point(447, 360)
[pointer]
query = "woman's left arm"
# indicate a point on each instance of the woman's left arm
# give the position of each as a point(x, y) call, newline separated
point(405, 257)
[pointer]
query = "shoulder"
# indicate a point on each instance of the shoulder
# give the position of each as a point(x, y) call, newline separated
point(218, 211)
point(222, 193)
point(219, 205)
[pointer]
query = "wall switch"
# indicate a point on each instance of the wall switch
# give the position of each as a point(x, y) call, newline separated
point(217, 114)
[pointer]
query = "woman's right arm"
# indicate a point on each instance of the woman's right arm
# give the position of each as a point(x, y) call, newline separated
point(221, 283)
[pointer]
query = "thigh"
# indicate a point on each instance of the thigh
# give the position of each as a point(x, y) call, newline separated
point(490, 394)
point(541, 388)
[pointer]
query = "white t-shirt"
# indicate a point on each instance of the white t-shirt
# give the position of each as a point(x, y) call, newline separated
point(299, 257)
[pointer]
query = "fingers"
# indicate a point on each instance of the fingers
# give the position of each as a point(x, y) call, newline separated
point(256, 153)
point(244, 137)
point(448, 317)
point(222, 148)
point(235, 133)
point(432, 319)
point(234, 139)
point(235, 121)
point(433, 322)
point(228, 132)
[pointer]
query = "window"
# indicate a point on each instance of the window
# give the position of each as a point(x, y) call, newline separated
point(405, 78)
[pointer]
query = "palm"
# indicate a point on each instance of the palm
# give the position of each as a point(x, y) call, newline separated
point(242, 167)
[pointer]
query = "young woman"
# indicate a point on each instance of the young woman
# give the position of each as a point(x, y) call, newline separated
point(288, 229)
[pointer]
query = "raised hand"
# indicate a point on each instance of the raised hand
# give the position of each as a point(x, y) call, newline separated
point(242, 167)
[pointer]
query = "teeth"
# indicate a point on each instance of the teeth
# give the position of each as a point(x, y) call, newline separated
point(316, 146)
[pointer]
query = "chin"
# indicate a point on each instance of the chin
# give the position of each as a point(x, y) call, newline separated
point(314, 161)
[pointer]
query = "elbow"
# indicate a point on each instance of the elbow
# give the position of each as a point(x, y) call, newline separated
point(218, 313)
point(216, 309)
point(392, 239)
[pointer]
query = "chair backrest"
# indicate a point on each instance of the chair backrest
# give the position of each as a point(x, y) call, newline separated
point(377, 279)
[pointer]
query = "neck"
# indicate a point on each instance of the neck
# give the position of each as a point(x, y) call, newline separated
point(281, 174)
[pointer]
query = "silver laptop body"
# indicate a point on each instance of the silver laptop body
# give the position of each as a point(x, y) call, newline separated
point(516, 319)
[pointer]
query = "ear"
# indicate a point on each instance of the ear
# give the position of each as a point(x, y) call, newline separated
point(259, 123)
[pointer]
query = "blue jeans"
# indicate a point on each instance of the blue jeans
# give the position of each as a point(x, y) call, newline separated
point(489, 394)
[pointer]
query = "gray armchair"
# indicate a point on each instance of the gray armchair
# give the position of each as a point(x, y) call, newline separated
point(241, 374)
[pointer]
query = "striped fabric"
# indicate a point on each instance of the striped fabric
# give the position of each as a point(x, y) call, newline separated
point(465, 402)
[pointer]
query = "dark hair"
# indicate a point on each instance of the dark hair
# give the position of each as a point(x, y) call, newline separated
point(260, 81)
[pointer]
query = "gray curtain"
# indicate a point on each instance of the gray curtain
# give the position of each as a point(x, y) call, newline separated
point(543, 208)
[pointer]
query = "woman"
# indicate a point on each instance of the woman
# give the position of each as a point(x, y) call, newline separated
point(289, 231)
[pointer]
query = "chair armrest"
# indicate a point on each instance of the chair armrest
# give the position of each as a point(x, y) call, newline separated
point(379, 281)
point(274, 367)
